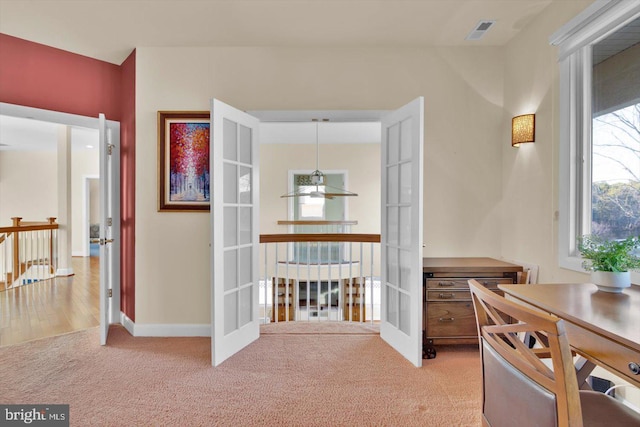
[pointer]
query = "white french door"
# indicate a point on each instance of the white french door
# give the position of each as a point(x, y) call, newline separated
point(401, 238)
point(234, 162)
point(109, 224)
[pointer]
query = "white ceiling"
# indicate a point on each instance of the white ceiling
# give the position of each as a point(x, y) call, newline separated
point(20, 134)
point(110, 29)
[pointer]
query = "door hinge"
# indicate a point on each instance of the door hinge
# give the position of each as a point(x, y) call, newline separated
point(109, 222)
point(110, 149)
point(110, 293)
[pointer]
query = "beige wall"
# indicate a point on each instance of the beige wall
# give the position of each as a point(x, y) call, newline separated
point(530, 173)
point(28, 185)
point(463, 129)
point(361, 161)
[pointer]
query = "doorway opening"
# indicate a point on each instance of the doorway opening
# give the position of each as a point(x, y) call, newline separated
point(81, 289)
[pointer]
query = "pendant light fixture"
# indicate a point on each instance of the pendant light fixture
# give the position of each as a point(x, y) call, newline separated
point(317, 180)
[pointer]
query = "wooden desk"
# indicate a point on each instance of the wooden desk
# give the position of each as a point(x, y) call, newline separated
point(602, 327)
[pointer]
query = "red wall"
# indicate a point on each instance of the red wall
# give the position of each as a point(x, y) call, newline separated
point(40, 76)
point(43, 77)
point(128, 187)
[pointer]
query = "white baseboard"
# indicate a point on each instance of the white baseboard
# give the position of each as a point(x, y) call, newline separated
point(127, 323)
point(168, 330)
point(78, 254)
point(64, 272)
point(165, 330)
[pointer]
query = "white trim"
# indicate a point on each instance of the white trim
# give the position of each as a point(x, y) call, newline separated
point(165, 329)
point(592, 24)
point(575, 40)
point(172, 330)
point(308, 115)
point(128, 324)
point(63, 272)
point(48, 115)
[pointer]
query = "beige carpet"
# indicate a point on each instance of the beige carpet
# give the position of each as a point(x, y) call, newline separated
point(283, 379)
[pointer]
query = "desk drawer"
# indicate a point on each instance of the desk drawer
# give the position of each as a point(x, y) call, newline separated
point(448, 295)
point(452, 319)
point(447, 283)
point(604, 352)
point(462, 283)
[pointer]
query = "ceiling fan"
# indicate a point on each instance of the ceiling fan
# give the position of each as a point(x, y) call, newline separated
point(317, 179)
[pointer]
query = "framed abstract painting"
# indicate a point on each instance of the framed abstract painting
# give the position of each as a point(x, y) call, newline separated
point(183, 161)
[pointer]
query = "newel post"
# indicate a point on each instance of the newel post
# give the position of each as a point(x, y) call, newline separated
point(51, 220)
point(16, 247)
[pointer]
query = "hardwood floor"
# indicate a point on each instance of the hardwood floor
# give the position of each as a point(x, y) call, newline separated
point(52, 307)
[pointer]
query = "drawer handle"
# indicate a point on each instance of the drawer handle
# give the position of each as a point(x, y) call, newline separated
point(446, 319)
point(446, 296)
point(635, 368)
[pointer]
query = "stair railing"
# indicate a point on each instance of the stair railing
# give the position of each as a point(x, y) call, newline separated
point(28, 252)
point(336, 276)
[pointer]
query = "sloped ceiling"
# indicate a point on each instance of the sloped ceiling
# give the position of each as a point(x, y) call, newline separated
point(110, 29)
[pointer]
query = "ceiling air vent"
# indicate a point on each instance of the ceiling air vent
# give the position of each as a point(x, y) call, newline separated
point(480, 30)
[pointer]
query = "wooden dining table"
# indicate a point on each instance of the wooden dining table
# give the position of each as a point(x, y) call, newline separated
point(602, 327)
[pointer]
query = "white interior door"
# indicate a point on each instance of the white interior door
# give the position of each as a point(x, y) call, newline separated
point(109, 224)
point(402, 199)
point(234, 160)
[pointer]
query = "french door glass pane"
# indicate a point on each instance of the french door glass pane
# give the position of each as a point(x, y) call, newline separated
point(230, 312)
point(392, 266)
point(392, 147)
point(392, 184)
point(245, 144)
point(405, 182)
point(405, 314)
point(392, 306)
point(230, 183)
point(246, 306)
point(244, 185)
point(230, 136)
point(392, 226)
point(405, 140)
point(245, 268)
point(245, 225)
point(405, 270)
point(231, 227)
point(230, 269)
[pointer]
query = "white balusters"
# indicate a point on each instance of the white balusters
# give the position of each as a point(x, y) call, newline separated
point(329, 279)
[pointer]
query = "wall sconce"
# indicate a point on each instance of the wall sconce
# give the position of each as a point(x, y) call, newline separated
point(523, 129)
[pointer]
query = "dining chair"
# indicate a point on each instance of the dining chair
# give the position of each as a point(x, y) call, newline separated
point(520, 387)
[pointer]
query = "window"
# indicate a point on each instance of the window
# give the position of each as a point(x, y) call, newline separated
point(308, 208)
point(599, 126)
point(615, 173)
point(318, 208)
